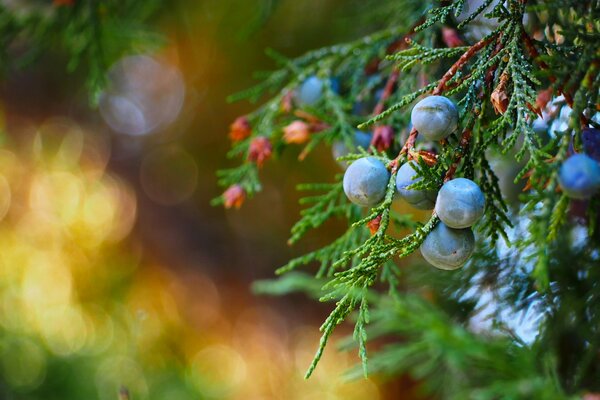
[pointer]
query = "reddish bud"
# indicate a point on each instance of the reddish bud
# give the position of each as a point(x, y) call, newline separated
point(240, 129)
point(297, 132)
point(234, 196)
point(260, 150)
point(543, 98)
point(58, 3)
point(499, 97)
point(287, 102)
point(428, 157)
point(450, 37)
point(499, 101)
point(372, 66)
point(374, 224)
point(591, 396)
point(383, 137)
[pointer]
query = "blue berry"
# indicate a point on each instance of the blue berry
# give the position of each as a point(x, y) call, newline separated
point(365, 181)
point(435, 117)
point(340, 149)
point(540, 126)
point(591, 142)
point(447, 248)
point(311, 89)
point(336, 85)
point(507, 170)
point(421, 199)
point(460, 203)
point(365, 106)
point(579, 177)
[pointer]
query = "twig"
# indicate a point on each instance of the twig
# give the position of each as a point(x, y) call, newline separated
point(412, 137)
point(530, 46)
point(387, 91)
point(460, 63)
point(463, 146)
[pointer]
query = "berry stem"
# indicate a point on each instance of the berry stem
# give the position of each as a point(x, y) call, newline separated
point(463, 146)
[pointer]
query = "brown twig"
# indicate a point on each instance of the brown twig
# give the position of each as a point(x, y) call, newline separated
point(428, 157)
point(463, 146)
point(459, 64)
point(412, 137)
point(387, 91)
point(466, 137)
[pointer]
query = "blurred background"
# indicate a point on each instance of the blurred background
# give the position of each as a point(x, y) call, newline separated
point(118, 280)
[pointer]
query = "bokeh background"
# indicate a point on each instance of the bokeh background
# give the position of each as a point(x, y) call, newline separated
point(118, 280)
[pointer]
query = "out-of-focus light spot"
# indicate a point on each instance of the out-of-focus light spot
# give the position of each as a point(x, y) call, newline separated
point(218, 371)
point(68, 289)
point(23, 363)
point(62, 141)
point(9, 163)
point(117, 372)
point(47, 283)
point(143, 95)
point(101, 330)
point(203, 303)
point(56, 196)
point(5, 196)
point(261, 332)
point(355, 390)
point(64, 330)
point(125, 213)
point(169, 176)
point(304, 340)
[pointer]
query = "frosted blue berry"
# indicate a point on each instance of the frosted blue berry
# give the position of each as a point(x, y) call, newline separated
point(435, 117)
point(365, 181)
point(507, 170)
point(579, 177)
point(421, 199)
point(311, 89)
point(591, 142)
point(448, 248)
point(460, 203)
point(340, 149)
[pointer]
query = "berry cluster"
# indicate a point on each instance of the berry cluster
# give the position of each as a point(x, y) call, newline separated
point(459, 203)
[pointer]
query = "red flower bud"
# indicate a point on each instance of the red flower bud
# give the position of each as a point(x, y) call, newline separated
point(234, 196)
point(372, 66)
point(383, 137)
point(287, 102)
point(260, 150)
point(450, 37)
point(240, 129)
point(374, 224)
point(499, 97)
point(297, 132)
point(543, 98)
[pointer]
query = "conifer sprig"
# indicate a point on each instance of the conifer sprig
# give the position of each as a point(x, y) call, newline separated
point(498, 81)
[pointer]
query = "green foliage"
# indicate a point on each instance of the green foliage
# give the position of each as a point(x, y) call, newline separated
point(91, 34)
point(497, 81)
point(454, 362)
